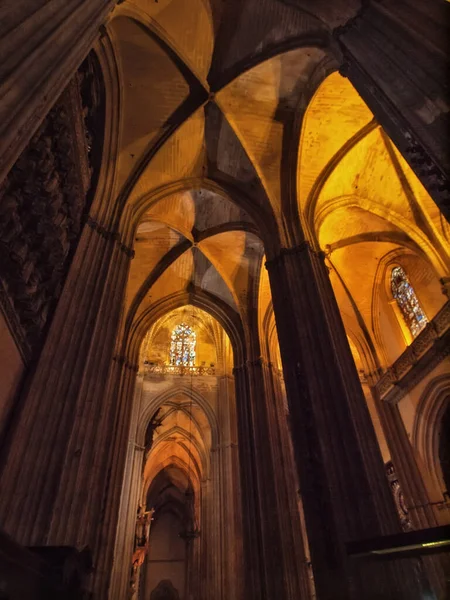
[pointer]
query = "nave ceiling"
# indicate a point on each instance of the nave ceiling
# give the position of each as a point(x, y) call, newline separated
point(234, 139)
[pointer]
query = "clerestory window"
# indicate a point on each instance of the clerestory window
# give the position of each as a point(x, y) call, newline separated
point(407, 301)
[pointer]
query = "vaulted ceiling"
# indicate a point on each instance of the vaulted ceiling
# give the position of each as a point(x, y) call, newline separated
point(234, 130)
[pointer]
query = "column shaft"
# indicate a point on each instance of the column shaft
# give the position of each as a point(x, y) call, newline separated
point(121, 390)
point(126, 523)
point(417, 500)
point(278, 530)
point(55, 464)
point(227, 482)
point(251, 516)
point(345, 494)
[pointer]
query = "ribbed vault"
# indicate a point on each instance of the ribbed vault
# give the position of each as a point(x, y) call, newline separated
point(236, 141)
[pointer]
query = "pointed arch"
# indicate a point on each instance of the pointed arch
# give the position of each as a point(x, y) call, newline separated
point(228, 318)
point(431, 408)
point(165, 396)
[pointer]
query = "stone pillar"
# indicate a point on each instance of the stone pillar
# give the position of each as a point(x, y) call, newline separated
point(275, 569)
point(420, 510)
point(55, 463)
point(251, 514)
point(227, 484)
point(396, 56)
point(126, 523)
point(291, 484)
point(120, 394)
point(344, 489)
point(42, 44)
point(205, 550)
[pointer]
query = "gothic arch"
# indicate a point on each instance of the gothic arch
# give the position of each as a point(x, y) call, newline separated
point(187, 391)
point(192, 476)
point(104, 52)
point(412, 231)
point(381, 285)
point(263, 219)
point(310, 208)
point(192, 440)
point(425, 435)
point(219, 310)
point(295, 227)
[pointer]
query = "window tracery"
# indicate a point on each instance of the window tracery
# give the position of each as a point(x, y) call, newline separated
point(407, 301)
point(182, 346)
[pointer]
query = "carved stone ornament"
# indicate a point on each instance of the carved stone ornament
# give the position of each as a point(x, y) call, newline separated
point(399, 499)
point(42, 205)
point(428, 349)
point(436, 181)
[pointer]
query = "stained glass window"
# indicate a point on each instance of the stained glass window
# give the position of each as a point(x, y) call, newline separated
point(182, 346)
point(407, 301)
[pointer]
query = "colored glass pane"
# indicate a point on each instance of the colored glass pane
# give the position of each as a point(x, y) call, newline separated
point(182, 346)
point(407, 301)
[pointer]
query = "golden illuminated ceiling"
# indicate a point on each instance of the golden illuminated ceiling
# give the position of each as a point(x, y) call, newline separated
point(229, 124)
point(361, 203)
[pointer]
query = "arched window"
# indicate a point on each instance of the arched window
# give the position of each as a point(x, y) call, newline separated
point(182, 346)
point(407, 301)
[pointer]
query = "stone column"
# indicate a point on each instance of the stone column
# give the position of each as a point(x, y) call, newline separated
point(42, 44)
point(251, 514)
point(420, 510)
point(55, 463)
point(291, 484)
point(396, 56)
point(344, 490)
point(227, 484)
point(121, 390)
point(264, 489)
point(126, 523)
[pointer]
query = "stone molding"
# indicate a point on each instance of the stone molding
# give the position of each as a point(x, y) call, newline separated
point(153, 369)
point(429, 348)
point(110, 236)
point(260, 361)
point(302, 247)
point(424, 166)
point(123, 362)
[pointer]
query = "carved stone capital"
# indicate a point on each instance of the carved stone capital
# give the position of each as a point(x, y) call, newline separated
point(123, 362)
point(296, 250)
point(126, 249)
point(102, 231)
point(445, 283)
point(238, 369)
point(256, 362)
point(108, 235)
point(120, 360)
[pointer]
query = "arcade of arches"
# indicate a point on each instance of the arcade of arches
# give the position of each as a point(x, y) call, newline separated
point(224, 293)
